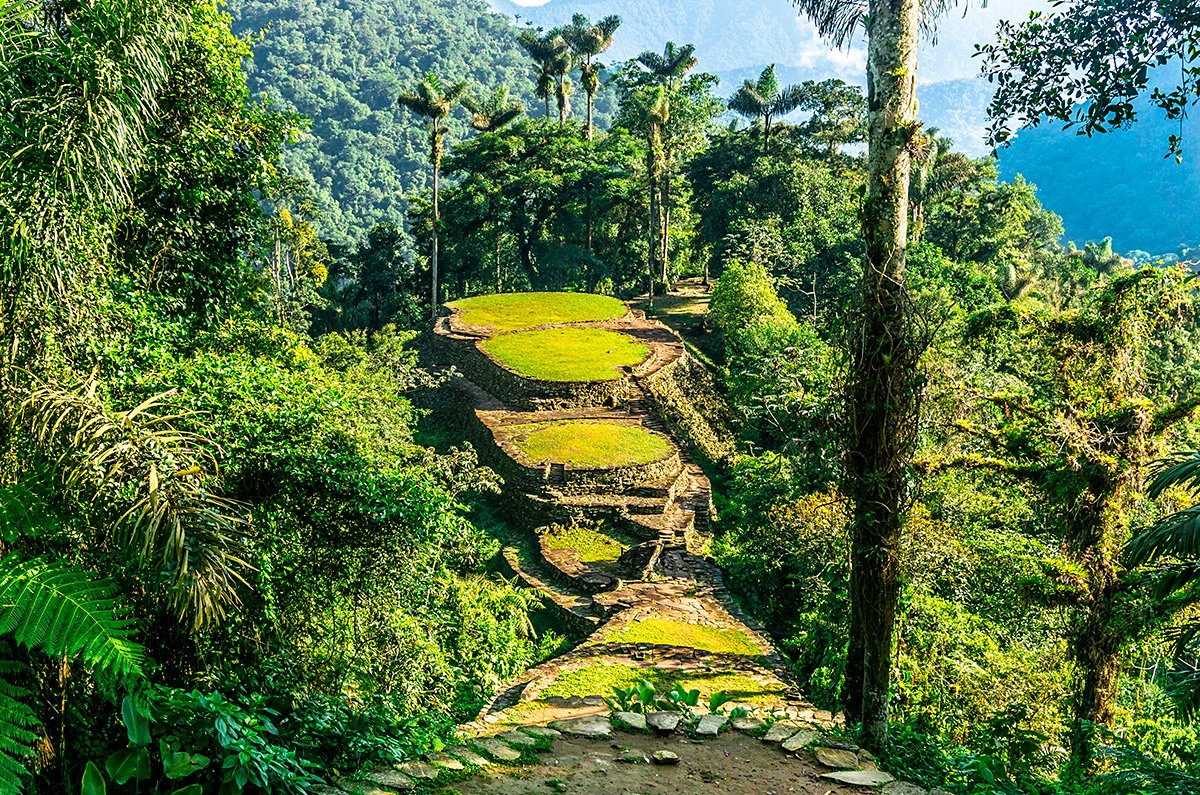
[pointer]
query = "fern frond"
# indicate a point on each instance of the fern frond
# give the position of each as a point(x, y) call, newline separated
point(62, 612)
point(18, 722)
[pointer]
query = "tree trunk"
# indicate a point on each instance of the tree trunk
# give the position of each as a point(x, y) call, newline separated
point(591, 99)
point(591, 221)
point(883, 417)
point(666, 231)
point(499, 282)
point(437, 165)
point(1097, 641)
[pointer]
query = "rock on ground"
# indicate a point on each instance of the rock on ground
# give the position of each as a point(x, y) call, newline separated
point(595, 726)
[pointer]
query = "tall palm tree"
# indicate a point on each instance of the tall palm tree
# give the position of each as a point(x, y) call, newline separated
point(433, 102)
point(489, 115)
point(555, 61)
point(883, 419)
point(668, 71)
point(496, 111)
point(764, 99)
point(589, 42)
point(657, 109)
point(669, 68)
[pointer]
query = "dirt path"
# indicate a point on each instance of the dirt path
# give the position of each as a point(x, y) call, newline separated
point(733, 764)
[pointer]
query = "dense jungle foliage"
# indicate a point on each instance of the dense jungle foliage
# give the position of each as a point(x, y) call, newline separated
point(229, 535)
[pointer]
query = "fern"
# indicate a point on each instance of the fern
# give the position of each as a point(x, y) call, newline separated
point(59, 611)
point(17, 724)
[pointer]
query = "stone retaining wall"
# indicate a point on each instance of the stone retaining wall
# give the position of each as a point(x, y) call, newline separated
point(684, 394)
point(517, 391)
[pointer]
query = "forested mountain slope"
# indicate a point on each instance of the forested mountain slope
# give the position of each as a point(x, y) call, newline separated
point(341, 63)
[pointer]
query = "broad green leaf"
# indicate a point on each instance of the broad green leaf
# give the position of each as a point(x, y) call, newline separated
point(137, 724)
point(93, 781)
point(128, 763)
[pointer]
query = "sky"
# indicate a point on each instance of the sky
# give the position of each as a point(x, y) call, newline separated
point(799, 45)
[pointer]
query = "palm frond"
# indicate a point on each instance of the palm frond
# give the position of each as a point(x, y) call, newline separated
point(1181, 469)
point(52, 608)
point(787, 100)
point(1176, 536)
point(840, 21)
point(748, 102)
point(1175, 577)
point(139, 459)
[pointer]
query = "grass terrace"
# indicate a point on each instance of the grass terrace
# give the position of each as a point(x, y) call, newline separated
point(594, 544)
point(671, 632)
point(567, 354)
point(515, 311)
point(590, 444)
point(599, 678)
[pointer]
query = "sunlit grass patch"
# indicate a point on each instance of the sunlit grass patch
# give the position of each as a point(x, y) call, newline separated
point(590, 444)
point(567, 354)
point(593, 544)
point(672, 632)
point(599, 679)
point(513, 311)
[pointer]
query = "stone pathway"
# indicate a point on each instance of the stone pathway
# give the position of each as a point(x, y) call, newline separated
point(661, 612)
point(666, 752)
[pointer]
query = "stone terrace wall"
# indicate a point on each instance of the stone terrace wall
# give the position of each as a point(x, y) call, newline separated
point(516, 391)
point(684, 394)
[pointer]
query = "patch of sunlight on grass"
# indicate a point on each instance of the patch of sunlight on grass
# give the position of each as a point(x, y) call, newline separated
point(671, 632)
point(590, 444)
point(514, 311)
point(567, 354)
point(594, 545)
point(600, 678)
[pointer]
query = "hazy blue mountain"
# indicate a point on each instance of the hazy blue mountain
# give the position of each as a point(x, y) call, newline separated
point(1116, 184)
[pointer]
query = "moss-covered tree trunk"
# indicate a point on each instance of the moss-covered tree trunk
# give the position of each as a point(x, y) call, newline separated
point(882, 409)
point(1098, 531)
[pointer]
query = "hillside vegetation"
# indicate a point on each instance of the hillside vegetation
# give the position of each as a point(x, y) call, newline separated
point(909, 468)
point(342, 63)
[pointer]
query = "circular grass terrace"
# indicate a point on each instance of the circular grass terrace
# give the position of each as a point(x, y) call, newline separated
point(567, 354)
point(515, 311)
point(590, 444)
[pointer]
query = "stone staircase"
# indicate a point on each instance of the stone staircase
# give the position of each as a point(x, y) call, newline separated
point(663, 578)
